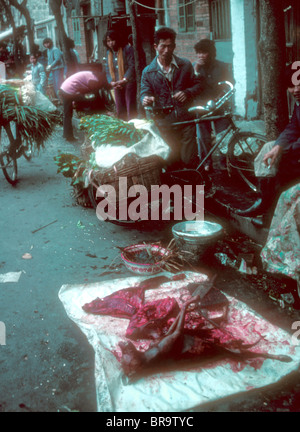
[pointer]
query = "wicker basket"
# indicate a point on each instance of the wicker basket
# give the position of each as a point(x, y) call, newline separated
point(138, 171)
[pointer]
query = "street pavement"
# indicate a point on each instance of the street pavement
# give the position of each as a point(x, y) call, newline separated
point(47, 364)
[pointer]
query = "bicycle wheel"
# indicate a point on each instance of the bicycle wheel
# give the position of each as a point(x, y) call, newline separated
point(243, 148)
point(9, 167)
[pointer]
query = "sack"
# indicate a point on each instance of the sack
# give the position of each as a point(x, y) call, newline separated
point(43, 103)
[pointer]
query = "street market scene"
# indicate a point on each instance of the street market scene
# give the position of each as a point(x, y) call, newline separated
point(150, 217)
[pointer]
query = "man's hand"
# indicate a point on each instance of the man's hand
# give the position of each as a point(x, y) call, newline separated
point(272, 156)
point(180, 96)
point(148, 100)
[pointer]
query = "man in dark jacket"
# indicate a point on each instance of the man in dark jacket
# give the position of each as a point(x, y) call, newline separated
point(170, 81)
point(212, 71)
point(277, 166)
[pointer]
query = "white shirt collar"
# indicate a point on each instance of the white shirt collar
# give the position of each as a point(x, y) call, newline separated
point(168, 74)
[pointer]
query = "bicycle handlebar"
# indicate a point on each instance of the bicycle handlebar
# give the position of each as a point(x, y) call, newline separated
point(213, 106)
point(207, 111)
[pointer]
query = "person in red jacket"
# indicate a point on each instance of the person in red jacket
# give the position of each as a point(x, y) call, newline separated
point(75, 88)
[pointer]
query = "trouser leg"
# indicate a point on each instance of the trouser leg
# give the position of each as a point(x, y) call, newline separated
point(120, 104)
point(188, 146)
point(130, 99)
point(68, 113)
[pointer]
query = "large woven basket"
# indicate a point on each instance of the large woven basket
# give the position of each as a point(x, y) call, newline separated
point(138, 171)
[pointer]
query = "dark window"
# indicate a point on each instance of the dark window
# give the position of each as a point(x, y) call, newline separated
point(220, 19)
point(186, 14)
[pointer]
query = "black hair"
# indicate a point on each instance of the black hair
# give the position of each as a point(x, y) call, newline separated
point(70, 43)
point(164, 33)
point(47, 40)
point(206, 46)
point(112, 34)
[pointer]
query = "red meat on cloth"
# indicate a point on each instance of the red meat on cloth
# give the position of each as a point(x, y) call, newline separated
point(121, 304)
point(152, 320)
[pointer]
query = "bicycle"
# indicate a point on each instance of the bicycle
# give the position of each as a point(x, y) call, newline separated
point(12, 148)
point(242, 148)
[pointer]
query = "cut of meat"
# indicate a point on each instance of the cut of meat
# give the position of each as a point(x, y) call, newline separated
point(151, 320)
point(121, 304)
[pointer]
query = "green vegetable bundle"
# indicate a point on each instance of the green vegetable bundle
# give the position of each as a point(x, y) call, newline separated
point(73, 167)
point(34, 124)
point(104, 129)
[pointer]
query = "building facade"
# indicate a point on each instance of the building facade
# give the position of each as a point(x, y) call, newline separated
point(232, 24)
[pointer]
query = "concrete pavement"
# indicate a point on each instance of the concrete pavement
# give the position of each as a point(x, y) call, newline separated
point(47, 364)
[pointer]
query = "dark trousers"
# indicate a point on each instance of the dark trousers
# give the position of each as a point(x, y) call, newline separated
point(182, 140)
point(125, 100)
point(67, 101)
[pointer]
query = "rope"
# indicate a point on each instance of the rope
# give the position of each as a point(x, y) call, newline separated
point(164, 8)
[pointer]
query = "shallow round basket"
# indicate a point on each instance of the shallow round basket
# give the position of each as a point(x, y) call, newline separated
point(194, 239)
point(144, 268)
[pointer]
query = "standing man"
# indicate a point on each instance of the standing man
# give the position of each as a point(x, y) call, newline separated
point(212, 71)
point(55, 64)
point(170, 80)
point(38, 73)
point(74, 89)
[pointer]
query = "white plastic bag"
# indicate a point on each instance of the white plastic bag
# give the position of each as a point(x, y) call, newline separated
point(151, 144)
point(43, 103)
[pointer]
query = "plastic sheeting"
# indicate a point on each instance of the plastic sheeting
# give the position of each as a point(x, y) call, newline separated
point(184, 385)
point(281, 253)
point(152, 143)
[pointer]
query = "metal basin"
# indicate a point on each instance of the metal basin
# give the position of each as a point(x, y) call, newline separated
point(196, 238)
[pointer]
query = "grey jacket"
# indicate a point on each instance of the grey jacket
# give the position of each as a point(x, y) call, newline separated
point(184, 79)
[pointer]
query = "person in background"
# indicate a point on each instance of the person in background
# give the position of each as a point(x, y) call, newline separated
point(55, 64)
point(143, 62)
point(120, 73)
point(74, 89)
point(39, 77)
point(170, 81)
point(73, 65)
point(277, 166)
point(212, 71)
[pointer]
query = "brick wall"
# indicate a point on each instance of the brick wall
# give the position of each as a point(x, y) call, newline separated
point(185, 41)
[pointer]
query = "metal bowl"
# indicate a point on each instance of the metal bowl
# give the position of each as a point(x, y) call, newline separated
point(195, 238)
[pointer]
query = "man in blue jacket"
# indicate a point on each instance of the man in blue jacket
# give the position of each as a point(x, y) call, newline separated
point(56, 64)
point(277, 166)
point(170, 81)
